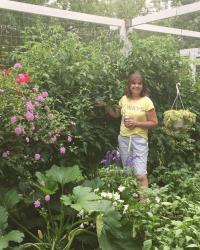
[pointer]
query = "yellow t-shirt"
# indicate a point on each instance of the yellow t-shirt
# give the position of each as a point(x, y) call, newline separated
point(135, 109)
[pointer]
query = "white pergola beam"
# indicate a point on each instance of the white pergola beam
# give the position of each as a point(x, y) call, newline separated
point(53, 12)
point(185, 9)
point(167, 30)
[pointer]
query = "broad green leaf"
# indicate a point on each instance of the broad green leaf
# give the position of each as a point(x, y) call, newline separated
point(85, 199)
point(66, 200)
point(3, 242)
point(147, 244)
point(166, 248)
point(9, 198)
point(188, 238)
point(178, 232)
point(14, 235)
point(3, 219)
point(46, 184)
point(94, 183)
point(65, 175)
point(134, 232)
point(192, 245)
point(99, 224)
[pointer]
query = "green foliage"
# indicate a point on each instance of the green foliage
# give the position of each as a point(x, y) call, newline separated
point(5, 236)
point(9, 198)
point(76, 74)
point(170, 217)
point(63, 175)
point(82, 198)
point(67, 218)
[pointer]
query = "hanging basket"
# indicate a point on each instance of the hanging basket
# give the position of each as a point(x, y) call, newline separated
point(178, 121)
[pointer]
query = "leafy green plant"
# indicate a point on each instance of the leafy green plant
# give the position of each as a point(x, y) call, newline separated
point(71, 215)
point(177, 122)
point(6, 237)
point(9, 199)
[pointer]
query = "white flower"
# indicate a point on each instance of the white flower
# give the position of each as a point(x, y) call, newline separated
point(81, 213)
point(157, 199)
point(103, 194)
point(125, 208)
point(114, 203)
point(121, 188)
point(82, 225)
point(116, 196)
point(135, 195)
point(120, 201)
point(96, 190)
point(109, 195)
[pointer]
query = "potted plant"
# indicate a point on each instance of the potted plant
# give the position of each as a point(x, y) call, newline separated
point(178, 121)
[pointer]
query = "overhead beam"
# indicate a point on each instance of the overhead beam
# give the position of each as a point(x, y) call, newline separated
point(167, 30)
point(65, 14)
point(185, 9)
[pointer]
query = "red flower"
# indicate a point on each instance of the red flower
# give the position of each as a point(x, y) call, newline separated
point(23, 78)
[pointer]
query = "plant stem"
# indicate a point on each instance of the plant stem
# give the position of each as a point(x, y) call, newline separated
point(25, 229)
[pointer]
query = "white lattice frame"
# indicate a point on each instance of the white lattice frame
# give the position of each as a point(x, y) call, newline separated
point(139, 22)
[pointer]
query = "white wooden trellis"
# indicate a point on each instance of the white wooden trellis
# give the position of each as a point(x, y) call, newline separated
point(140, 22)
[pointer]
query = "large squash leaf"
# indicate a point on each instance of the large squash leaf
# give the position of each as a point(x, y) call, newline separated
point(111, 235)
point(46, 184)
point(82, 198)
point(14, 235)
point(65, 175)
point(9, 198)
point(3, 219)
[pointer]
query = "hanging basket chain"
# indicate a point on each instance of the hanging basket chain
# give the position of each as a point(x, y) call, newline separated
point(178, 97)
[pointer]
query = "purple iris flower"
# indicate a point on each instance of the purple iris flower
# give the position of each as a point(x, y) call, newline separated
point(110, 157)
point(130, 160)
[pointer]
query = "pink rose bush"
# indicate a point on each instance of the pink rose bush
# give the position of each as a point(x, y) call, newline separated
point(33, 132)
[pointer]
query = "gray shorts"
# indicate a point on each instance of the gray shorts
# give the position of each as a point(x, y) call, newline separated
point(134, 152)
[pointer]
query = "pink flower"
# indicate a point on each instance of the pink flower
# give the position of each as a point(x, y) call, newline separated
point(62, 150)
point(69, 138)
point(29, 106)
point(13, 119)
point(17, 65)
point(45, 94)
point(37, 203)
point(47, 198)
point(6, 154)
point(29, 116)
point(19, 130)
point(53, 139)
point(37, 157)
point(40, 98)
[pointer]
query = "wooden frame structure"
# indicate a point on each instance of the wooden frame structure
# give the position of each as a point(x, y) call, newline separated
point(140, 22)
